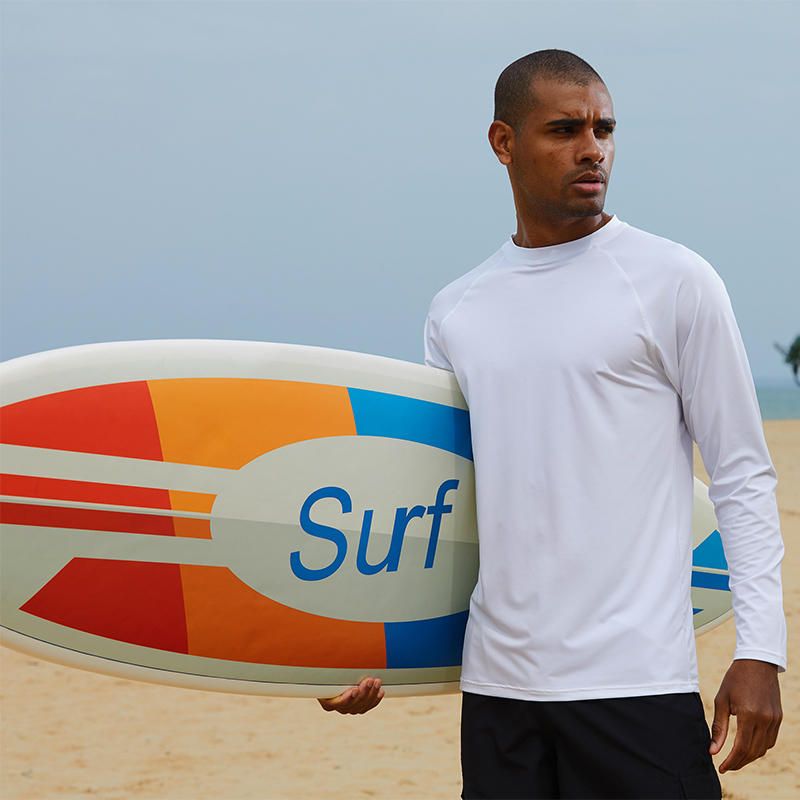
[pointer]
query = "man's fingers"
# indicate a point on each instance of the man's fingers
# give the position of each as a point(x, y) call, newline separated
point(772, 735)
point(742, 744)
point(759, 735)
point(777, 718)
point(357, 699)
point(356, 702)
point(369, 697)
point(719, 727)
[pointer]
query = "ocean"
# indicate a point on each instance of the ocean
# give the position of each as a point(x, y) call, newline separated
point(779, 401)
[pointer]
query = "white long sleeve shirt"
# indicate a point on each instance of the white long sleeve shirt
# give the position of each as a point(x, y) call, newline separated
point(588, 368)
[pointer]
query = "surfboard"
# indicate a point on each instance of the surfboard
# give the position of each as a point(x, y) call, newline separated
point(248, 517)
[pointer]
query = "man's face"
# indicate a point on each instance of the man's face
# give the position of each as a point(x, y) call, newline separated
point(567, 133)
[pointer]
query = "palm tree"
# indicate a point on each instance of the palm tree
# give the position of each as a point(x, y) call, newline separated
point(792, 357)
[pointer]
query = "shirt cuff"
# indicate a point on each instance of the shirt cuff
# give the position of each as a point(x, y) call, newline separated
point(762, 655)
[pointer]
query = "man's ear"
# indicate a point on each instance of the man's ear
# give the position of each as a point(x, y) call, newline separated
point(501, 139)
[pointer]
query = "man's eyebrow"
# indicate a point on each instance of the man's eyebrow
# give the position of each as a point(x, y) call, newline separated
point(571, 122)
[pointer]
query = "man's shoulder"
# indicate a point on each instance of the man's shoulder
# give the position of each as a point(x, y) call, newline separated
point(661, 256)
point(449, 296)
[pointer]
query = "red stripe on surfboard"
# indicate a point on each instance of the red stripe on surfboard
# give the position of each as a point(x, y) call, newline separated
point(89, 492)
point(128, 601)
point(86, 518)
point(200, 610)
point(113, 419)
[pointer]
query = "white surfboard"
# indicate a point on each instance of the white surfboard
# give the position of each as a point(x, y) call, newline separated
point(248, 517)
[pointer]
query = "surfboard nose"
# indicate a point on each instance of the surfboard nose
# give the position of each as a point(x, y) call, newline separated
point(150, 520)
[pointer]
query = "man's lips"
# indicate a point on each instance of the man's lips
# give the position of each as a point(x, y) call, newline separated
point(589, 183)
point(590, 177)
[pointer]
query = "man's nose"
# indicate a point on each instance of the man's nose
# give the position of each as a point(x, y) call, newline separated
point(590, 149)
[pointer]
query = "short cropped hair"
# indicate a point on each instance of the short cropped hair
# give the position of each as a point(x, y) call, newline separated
point(513, 93)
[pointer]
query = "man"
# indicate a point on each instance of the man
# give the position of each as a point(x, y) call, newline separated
point(590, 354)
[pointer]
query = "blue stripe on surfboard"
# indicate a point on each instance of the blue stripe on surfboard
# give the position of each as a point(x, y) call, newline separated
point(696, 610)
point(710, 580)
point(710, 553)
point(398, 417)
point(425, 642)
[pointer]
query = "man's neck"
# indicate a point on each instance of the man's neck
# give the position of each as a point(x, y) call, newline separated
point(543, 233)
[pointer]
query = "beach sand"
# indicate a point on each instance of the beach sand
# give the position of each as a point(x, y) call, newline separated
point(70, 733)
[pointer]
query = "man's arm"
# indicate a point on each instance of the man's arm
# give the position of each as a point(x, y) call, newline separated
point(722, 415)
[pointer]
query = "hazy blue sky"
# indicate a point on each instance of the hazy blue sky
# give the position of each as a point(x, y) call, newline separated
point(315, 172)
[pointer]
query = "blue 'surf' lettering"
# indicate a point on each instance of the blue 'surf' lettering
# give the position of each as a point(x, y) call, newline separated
point(323, 532)
point(403, 515)
point(401, 519)
point(436, 510)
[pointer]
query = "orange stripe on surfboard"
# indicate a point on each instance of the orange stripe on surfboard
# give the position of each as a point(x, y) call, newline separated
point(191, 501)
point(225, 618)
point(227, 422)
point(192, 528)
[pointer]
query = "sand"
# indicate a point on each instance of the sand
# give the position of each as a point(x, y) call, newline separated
point(69, 733)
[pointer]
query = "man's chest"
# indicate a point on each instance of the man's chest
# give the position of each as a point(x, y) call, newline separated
point(585, 329)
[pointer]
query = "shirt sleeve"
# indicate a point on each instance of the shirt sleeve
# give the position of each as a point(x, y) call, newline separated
point(434, 351)
point(722, 415)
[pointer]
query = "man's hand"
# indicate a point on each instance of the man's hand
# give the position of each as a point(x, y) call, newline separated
point(357, 699)
point(751, 693)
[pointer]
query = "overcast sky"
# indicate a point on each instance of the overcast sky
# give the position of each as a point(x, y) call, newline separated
point(315, 172)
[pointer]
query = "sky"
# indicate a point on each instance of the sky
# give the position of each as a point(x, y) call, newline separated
point(315, 172)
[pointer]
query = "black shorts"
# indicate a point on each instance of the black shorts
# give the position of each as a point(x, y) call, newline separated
point(654, 746)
